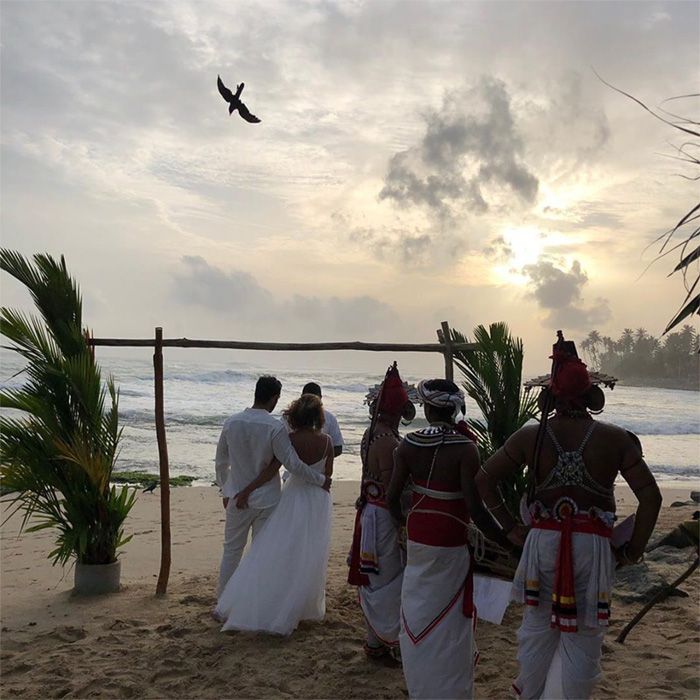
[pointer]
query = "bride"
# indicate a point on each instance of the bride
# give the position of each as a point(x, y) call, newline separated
point(282, 578)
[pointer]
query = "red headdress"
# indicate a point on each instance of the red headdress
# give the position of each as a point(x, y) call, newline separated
point(392, 395)
point(571, 380)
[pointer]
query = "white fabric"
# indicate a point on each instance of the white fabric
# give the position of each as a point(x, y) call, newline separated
point(577, 671)
point(594, 571)
point(238, 525)
point(248, 443)
point(491, 597)
point(381, 600)
point(368, 540)
point(537, 642)
point(331, 428)
point(441, 399)
point(441, 663)
point(282, 578)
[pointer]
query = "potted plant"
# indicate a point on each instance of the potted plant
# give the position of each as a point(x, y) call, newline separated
point(59, 446)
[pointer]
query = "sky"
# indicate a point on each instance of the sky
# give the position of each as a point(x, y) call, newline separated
point(416, 162)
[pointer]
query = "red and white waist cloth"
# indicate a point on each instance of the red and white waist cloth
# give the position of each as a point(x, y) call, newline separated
point(364, 557)
point(438, 558)
point(568, 555)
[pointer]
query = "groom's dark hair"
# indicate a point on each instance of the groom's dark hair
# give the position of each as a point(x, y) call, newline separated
point(266, 388)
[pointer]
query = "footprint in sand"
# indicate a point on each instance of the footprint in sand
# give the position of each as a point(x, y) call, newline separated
point(67, 634)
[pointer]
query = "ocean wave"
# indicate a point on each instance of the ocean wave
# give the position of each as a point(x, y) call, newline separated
point(652, 426)
point(225, 376)
point(139, 417)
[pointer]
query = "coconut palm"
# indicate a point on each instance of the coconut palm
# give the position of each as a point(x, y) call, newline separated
point(686, 228)
point(60, 443)
point(493, 379)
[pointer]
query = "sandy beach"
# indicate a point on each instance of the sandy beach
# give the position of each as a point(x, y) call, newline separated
point(131, 644)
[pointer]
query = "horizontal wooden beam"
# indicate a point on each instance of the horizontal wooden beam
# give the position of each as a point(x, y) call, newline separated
point(249, 345)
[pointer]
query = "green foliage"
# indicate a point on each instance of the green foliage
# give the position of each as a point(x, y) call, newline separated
point(687, 228)
point(493, 379)
point(60, 442)
point(639, 356)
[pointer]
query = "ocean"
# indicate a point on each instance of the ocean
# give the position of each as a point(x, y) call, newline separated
point(199, 396)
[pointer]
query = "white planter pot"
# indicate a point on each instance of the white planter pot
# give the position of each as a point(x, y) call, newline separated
point(96, 579)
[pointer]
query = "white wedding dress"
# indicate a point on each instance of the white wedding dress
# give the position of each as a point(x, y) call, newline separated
point(282, 578)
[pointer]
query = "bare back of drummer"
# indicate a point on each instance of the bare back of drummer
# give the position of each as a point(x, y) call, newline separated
point(567, 557)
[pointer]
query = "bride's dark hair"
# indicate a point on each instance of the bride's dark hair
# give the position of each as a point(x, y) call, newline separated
point(305, 412)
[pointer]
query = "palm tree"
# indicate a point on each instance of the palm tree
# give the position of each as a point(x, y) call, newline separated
point(58, 454)
point(688, 248)
point(591, 346)
point(493, 379)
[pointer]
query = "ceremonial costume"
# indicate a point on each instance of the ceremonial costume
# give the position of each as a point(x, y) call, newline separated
point(566, 570)
point(437, 611)
point(376, 559)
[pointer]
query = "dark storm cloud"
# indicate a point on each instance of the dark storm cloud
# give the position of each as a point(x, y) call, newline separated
point(559, 292)
point(470, 144)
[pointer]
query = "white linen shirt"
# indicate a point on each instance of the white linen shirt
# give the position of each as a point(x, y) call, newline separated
point(249, 441)
point(330, 427)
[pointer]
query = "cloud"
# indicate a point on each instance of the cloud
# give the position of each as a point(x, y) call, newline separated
point(469, 147)
point(237, 297)
point(558, 291)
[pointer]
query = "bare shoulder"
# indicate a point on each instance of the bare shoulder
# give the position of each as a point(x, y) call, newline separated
point(525, 436)
point(619, 435)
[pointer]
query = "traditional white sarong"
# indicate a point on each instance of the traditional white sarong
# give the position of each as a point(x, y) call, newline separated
point(376, 567)
point(565, 578)
point(437, 619)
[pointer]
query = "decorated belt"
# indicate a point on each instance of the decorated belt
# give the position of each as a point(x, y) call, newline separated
point(374, 493)
point(566, 514)
point(439, 495)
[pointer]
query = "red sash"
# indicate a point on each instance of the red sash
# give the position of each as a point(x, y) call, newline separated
point(563, 593)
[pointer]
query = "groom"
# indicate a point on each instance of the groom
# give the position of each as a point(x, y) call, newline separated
point(249, 441)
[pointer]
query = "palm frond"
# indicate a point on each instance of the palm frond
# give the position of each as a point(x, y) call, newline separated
point(58, 457)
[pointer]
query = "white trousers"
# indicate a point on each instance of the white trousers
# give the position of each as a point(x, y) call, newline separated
point(239, 522)
point(579, 660)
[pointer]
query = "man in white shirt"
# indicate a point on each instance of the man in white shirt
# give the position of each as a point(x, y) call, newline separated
point(249, 441)
point(330, 427)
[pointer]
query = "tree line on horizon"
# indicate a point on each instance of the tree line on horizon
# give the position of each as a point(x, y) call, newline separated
point(636, 354)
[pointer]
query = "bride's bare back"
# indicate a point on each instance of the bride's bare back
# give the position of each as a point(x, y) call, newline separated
point(311, 446)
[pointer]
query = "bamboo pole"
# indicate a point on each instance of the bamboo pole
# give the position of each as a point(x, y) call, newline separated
point(448, 347)
point(661, 595)
point(164, 574)
point(254, 345)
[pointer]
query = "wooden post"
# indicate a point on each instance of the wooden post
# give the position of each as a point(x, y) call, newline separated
point(446, 339)
point(162, 585)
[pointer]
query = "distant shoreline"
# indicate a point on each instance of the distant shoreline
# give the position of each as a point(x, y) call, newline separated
point(654, 383)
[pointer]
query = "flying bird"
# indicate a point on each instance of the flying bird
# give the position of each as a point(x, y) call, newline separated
point(234, 101)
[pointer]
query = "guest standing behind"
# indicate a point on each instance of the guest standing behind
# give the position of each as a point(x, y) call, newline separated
point(249, 442)
point(567, 556)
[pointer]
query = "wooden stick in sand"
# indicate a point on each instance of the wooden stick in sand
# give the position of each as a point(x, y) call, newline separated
point(445, 339)
point(661, 595)
point(164, 574)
